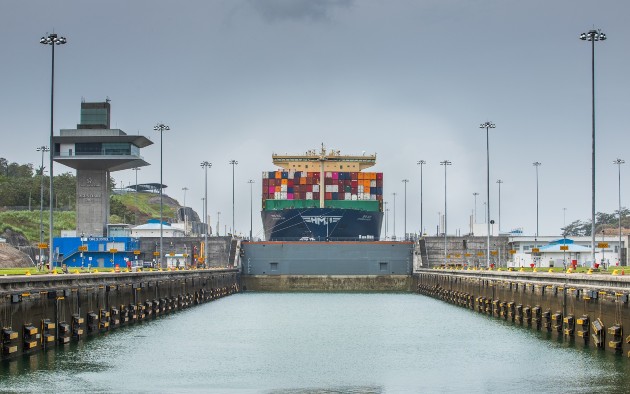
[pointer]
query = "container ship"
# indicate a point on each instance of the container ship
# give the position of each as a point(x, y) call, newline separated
point(322, 196)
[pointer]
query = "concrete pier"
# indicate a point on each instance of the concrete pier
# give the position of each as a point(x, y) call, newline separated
point(39, 312)
point(591, 310)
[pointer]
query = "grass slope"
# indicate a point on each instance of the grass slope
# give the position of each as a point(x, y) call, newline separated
point(147, 207)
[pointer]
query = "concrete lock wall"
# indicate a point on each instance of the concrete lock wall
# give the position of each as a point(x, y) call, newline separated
point(588, 309)
point(463, 250)
point(327, 258)
point(328, 283)
point(218, 248)
point(41, 312)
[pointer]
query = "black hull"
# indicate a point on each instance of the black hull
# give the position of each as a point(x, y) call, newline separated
point(320, 224)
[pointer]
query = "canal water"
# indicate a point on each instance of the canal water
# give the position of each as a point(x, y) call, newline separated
point(320, 343)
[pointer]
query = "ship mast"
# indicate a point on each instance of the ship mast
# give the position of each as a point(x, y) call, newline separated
point(322, 179)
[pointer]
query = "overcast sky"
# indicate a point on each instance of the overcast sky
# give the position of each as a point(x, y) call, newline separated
point(407, 80)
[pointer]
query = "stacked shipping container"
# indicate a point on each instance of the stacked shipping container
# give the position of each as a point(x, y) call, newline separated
point(300, 189)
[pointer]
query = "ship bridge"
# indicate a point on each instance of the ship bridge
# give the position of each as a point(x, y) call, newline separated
point(324, 160)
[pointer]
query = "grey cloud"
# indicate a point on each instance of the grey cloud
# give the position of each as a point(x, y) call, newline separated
point(313, 10)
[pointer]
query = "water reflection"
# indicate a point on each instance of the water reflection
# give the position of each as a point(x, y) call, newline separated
point(321, 343)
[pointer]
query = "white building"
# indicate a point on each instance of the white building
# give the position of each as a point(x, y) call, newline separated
point(559, 252)
point(152, 229)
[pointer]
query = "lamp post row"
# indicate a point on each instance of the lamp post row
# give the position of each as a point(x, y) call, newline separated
point(592, 35)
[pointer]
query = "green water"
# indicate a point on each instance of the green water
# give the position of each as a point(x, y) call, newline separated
point(320, 343)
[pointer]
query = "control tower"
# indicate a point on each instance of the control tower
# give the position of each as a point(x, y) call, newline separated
point(95, 150)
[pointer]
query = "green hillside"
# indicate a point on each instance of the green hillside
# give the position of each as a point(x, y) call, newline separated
point(123, 209)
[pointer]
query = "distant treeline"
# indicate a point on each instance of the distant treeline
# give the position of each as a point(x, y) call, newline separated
point(20, 186)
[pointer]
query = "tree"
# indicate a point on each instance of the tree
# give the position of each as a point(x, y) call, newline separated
point(4, 166)
point(116, 207)
point(577, 228)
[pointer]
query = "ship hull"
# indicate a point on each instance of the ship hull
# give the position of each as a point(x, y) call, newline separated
point(321, 224)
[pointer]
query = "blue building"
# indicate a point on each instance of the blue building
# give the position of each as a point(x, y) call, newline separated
point(97, 252)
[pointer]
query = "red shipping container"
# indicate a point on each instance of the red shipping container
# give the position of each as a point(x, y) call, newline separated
point(379, 183)
point(309, 188)
point(328, 196)
point(297, 196)
point(354, 183)
point(315, 195)
point(265, 182)
point(379, 175)
point(379, 197)
point(355, 190)
point(342, 196)
point(354, 176)
point(289, 182)
point(316, 175)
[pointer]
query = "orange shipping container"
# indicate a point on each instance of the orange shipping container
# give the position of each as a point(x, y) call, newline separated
point(278, 174)
point(283, 182)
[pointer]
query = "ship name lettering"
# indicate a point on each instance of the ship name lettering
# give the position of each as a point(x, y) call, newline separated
point(321, 220)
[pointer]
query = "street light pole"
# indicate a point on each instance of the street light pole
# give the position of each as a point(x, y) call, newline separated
point(592, 36)
point(394, 235)
point(161, 128)
point(386, 216)
point(405, 181)
point(475, 218)
point(251, 208)
point(185, 189)
point(205, 165)
point(233, 163)
point(536, 164)
point(619, 162)
point(445, 163)
point(488, 126)
point(42, 149)
point(499, 182)
point(421, 163)
point(52, 40)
